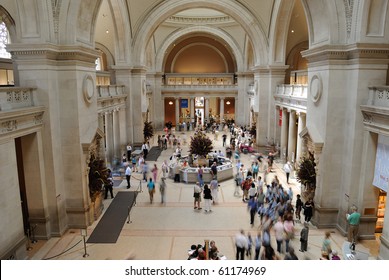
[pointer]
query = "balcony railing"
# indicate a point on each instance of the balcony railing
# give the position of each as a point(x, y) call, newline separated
point(192, 88)
point(12, 98)
point(292, 96)
point(110, 91)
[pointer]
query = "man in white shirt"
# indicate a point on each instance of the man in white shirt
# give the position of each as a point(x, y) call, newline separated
point(241, 244)
point(287, 169)
point(128, 176)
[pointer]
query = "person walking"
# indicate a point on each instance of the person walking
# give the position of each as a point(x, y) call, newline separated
point(353, 220)
point(241, 245)
point(287, 169)
point(128, 176)
point(214, 185)
point(155, 172)
point(129, 151)
point(197, 196)
point(108, 186)
point(145, 171)
point(252, 206)
point(151, 188)
point(299, 206)
point(162, 190)
point(207, 198)
point(326, 249)
point(304, 238)
point(308, 210)
point(279, 234)
point(165, 169)
point(258, 245)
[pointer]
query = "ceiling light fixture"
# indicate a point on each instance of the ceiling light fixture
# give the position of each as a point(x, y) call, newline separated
point(170, 102)
point(107, 31)
point(228, 102)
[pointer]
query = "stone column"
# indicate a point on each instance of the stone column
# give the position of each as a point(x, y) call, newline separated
point(284, 134)
point(301, 125)
point(122, 129)
point(221, 109)
point(116, 134)
point(192, 110)
point(206, 110)
point(292, 136)
point(177, 112)
point(236, 107)
point(109, 137)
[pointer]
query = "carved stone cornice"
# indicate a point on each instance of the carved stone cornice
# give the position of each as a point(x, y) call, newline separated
point(376, 119)
point(52, 52)
point(18, 120)
point(200, 20)
point(379, 53)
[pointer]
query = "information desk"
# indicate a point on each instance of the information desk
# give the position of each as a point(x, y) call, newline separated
point(189, 174)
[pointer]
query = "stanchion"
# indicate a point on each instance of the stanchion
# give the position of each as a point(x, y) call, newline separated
point(29, 248)
point(129, 216)
point(84, 233)
point(33, 240)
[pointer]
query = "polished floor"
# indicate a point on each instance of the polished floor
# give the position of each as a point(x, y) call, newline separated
point(166, 231)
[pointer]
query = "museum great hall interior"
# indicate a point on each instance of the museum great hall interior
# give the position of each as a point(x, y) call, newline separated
point(78, 80)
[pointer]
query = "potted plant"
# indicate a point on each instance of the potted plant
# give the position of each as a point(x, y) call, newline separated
point(97, 178)
point(306, 175)
point(148, 131)
point(201, 146)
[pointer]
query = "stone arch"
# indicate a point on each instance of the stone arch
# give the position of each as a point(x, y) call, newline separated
point(168, 8)
point(9, 22)
point(196, 29)
point(199, 44)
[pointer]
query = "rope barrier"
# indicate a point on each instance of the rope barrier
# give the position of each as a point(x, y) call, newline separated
point(63, 251)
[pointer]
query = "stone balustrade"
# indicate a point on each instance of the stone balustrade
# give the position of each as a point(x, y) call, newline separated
point(378, 96)
point(107, 91)
point(12, 98)
point(292, 96)
point(196, 88)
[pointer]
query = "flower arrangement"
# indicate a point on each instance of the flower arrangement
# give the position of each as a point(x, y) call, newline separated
point(148, 131)
point(200, 145)
point(97, 177)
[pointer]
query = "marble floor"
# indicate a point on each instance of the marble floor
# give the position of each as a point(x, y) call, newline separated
point(166, 231)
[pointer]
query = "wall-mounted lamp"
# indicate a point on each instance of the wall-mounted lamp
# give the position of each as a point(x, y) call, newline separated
point(228, 102)
point(170, 102)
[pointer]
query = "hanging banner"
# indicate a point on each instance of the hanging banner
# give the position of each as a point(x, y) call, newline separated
point(280, 118)
point(184, 103)
point(381, 170)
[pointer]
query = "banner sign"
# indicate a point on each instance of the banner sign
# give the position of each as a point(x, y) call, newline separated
point(381, 170)
point(184, 103)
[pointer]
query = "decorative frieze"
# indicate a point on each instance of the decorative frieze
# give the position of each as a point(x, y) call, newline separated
point(23, 119)
point(9, 126)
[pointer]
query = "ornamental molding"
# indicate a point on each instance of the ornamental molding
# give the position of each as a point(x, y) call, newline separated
point(348, 52)
point(18, 120)
point(375, 119)
point(199, 20)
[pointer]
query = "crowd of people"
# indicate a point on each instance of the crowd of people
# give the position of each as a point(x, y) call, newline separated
point(268, 202)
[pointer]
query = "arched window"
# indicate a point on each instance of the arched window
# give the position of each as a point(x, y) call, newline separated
point(4, 40)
